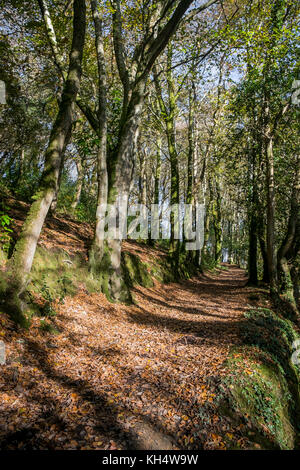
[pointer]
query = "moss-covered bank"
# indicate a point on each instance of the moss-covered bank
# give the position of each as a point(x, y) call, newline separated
point(56, 274)
point(261, 393)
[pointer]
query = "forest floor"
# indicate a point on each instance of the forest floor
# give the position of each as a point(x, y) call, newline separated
point(144, 376)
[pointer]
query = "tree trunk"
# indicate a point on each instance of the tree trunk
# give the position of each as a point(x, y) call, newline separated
point(120, 177)
point(252, 254)
point(22, 162)
point(79, 184)
point(230, 253)
point(53, 205)
point(252, 208)
point(191, 147)
point(20, 264)
point(288, 252)
point(168, 113)
point(217, 222)
point(121, 160)
point(263, 250)
point(143, 177)
point(174, 195)
point(171, 138)
point(96, 255)
point(157, 172)
point(271, 254)
point(207, 221)
point(156, 185)
point(296, 285)
point(193, 256)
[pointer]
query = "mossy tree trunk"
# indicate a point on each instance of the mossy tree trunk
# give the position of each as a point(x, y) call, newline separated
point(143, 177)
point(263, 250)
point(260, 210)
point(97, 251)
point(134, 76)
point(191, 197)
point(79, 184)
point(120, 179)
point(213, 210)
point(19, 266)
point(191, 146)
point(271, 121)
point(252, 252)
point(168, 109)
point(217, 222)
point(157, 175)
point(53, 205)
point(157, 172)
point(230, 242)
point(295, 276)
point(287, 256)
point(207, 220)
point(271, 254)
point(252, 208)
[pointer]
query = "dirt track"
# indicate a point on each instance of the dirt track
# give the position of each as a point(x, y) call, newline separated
point(119, 377)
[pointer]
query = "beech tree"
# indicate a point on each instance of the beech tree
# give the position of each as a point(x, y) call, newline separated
point(19, 266)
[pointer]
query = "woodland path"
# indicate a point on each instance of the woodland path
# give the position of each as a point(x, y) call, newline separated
point(126, 377)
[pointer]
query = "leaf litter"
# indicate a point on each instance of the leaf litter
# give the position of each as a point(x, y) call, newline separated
point(124, 377)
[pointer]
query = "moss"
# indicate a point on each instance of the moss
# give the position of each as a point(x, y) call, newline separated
point(55, 274)
point(262, 383)
point(136, 271)
point(13, 295)
point(260, 395)
point(168, 269)
point(207, 262)
point(11, 302)
point(47, 327)
point(114, 284)
point(187, 265)
point(161, 271)
point(274, 335)
point(17, 261)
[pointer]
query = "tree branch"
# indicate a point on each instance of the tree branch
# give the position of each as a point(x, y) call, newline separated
point(195, 11)
point(52, 37)
point(162, 39)
point(102, 85)
point(85, 109)
point(119, 44)
point(88, 113)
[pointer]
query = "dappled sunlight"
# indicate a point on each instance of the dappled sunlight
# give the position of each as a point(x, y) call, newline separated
point(113, 371)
